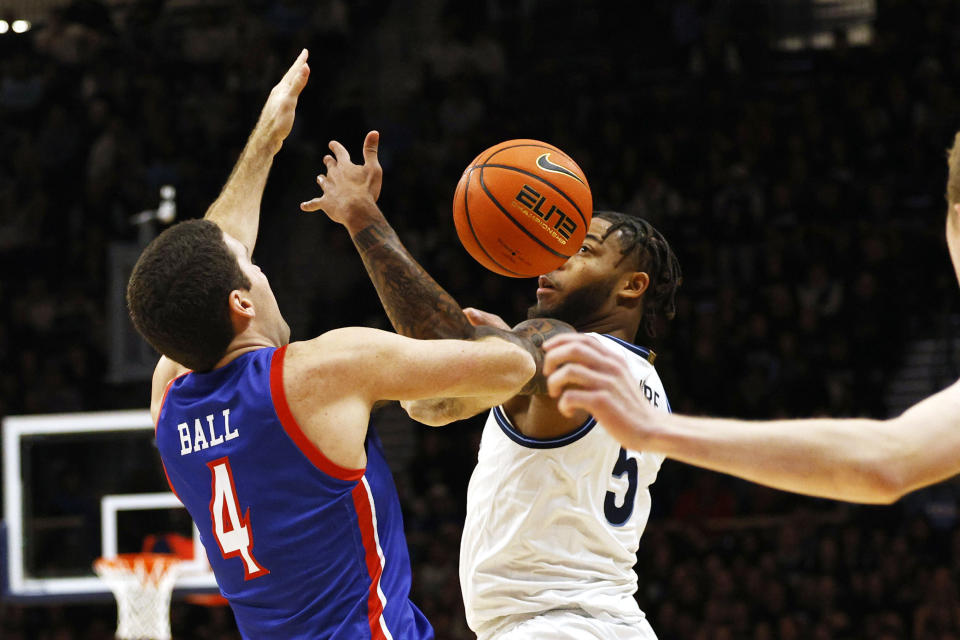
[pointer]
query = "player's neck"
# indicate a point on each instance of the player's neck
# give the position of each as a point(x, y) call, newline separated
point(614, 324)
point(244, 343)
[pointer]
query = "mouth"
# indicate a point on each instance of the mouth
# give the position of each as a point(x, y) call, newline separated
point(544, 285)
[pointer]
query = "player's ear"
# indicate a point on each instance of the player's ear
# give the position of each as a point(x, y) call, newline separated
point(633, 285)
point(242, 310)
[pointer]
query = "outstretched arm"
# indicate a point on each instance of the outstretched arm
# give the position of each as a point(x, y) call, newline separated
point(237, 209)
point(856, 460)
point(437, 412)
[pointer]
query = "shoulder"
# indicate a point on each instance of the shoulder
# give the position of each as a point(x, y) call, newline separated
point(165, 372)
point(640, 360)
point(633, 352)
point(341, 358)
point(344, 347)
point(318, 356)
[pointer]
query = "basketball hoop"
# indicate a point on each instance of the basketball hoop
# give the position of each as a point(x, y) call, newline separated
point(142, 584)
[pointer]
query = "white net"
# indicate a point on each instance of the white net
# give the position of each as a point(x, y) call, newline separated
point(142, 583)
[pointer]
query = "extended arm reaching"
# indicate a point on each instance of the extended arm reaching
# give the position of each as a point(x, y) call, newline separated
point(437, 412)
point(237, 209)
point(856, 460)
point(417, 306)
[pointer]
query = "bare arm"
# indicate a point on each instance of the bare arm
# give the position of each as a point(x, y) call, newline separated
point(441, 411)
point(856, 460)
point(165, 371)
point(333, 381)
point(237, 209)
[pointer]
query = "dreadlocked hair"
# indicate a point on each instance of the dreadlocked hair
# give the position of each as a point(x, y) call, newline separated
point(653, 255)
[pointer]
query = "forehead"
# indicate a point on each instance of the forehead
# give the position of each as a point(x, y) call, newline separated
point(598, 227)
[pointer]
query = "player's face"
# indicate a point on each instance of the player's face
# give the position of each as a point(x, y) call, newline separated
point(585, 286)
point(268, 315)
point(953, 238)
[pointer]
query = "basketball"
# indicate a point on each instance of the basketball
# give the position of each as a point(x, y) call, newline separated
point(522, 207)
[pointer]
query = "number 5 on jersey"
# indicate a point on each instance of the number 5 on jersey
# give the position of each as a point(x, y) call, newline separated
point(233, 534)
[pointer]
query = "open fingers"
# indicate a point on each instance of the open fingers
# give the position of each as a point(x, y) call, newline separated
point(575, 375)
point(339, 151)
point(330, 161)
point(312, 205)
point(581, 349)
point(574, 400)
point(370, 145)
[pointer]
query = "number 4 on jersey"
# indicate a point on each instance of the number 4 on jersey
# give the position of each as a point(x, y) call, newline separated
point(233, 534)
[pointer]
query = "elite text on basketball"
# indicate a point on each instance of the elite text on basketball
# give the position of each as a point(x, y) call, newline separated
point(534, 201)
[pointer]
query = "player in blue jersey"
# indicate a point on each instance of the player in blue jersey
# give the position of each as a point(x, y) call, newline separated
point(265, 441)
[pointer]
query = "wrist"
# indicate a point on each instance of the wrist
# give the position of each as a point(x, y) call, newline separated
point(360, 214)
point(661, 433)
point(265, 140)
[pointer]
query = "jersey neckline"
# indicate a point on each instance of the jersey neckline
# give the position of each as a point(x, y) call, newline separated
point(541, 443)
point(646, 354)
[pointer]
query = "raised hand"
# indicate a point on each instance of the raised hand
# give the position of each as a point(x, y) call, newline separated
point(276, 119)
point(583, 375)
point(348, 187)
point(237, 209)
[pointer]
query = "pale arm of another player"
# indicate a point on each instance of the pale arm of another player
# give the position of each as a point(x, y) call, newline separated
point(437, 412)
point(333, 381)
point(856, 460)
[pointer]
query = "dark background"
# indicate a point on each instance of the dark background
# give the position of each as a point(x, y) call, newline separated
point(801, 187)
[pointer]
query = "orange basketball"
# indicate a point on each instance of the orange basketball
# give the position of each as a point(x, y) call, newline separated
point(522, 208)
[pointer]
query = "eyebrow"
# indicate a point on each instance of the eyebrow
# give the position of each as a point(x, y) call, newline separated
point(593, 237)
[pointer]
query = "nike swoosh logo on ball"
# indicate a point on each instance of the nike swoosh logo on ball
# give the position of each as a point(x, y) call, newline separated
point(544, 163)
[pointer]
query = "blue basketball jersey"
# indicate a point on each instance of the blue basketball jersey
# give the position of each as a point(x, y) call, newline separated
point(301, 547)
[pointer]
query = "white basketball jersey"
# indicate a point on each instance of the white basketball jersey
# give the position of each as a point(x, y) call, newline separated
point(555, 524)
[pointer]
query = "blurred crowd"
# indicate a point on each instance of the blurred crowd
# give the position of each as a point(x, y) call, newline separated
point(802, 193)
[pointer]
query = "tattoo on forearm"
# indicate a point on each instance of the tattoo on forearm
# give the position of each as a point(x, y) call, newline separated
point(420, 308)
point(417, 306)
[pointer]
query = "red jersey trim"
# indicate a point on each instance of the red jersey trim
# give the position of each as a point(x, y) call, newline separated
point(156, 426)
point(294, 432)
point(366, 520)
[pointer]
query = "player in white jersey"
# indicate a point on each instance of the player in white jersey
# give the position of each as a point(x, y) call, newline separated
point(851, 459)
point(554, 525)
point(572, 576)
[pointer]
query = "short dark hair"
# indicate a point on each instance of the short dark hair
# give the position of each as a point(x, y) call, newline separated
point(652, 254)
point(178, 293)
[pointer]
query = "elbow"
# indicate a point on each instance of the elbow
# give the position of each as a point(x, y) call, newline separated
point(886, 477)
point(886, 486)
point(518, 371)
point(430, 413)
point(431, 420)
